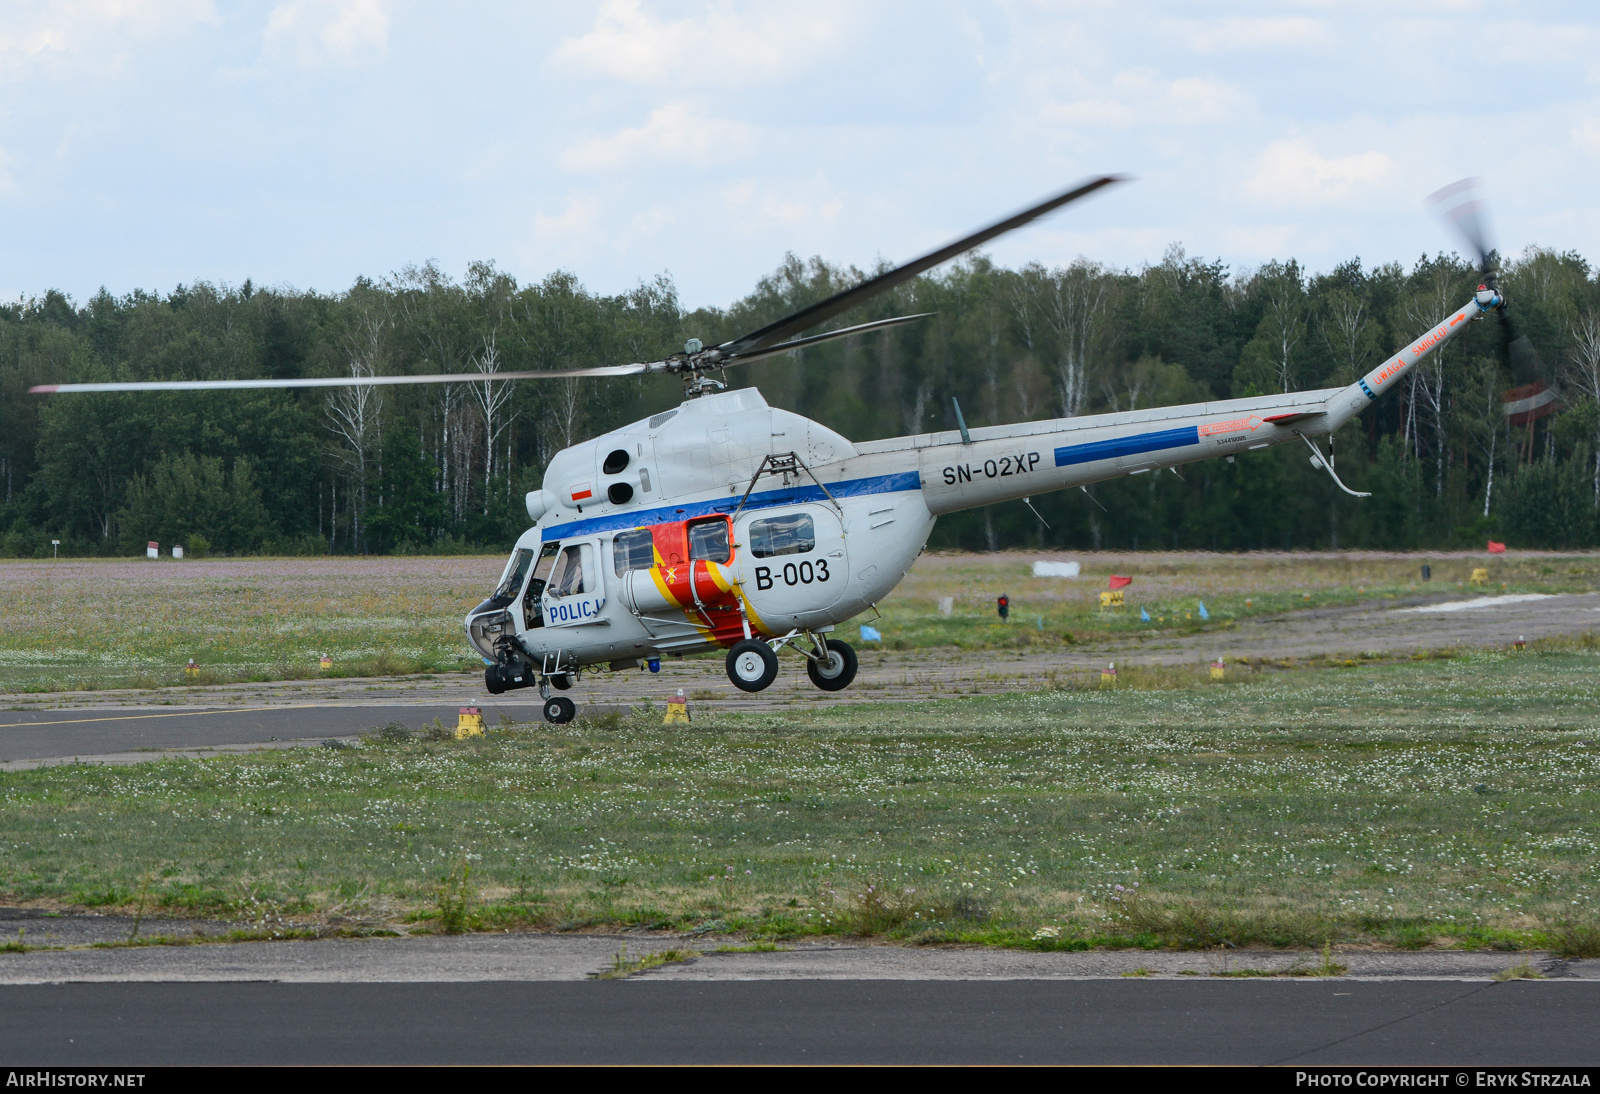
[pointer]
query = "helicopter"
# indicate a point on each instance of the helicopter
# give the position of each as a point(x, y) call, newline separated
point(728, 524)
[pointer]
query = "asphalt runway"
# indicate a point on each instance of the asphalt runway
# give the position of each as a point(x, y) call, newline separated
point(820, 1022)
point(101, 731)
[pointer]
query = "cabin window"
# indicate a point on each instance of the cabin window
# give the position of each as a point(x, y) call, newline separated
point(708, 540)
point(794, 534)
point(634, 550)
point(573, 572)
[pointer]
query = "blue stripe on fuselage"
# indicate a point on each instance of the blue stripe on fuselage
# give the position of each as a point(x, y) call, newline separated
point(794, 495)
point(1127, 446)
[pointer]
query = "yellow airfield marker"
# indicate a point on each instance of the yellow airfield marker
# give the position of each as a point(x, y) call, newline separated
point(677, 709)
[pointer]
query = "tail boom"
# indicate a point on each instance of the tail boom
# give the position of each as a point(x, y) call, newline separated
point(1006, 463)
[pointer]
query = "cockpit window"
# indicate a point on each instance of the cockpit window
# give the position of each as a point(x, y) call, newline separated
point(516, 571)
point(547, 558)
point(532, 614)
point(633, 550)
point(709, 540)
point(573, 570)
point(794, 534)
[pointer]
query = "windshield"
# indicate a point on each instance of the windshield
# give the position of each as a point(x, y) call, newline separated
point(532, 613)
point(516, 571)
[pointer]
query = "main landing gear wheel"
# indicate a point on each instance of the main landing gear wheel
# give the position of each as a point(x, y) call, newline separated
point(559, 710)
point(752, 666)
point(561, 681)
point(837, 671)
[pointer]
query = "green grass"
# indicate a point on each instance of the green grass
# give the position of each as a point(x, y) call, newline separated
point(1520, 971)
point(1446, 802)
point(78, 624)
point(1053, 612)
point(623, 966)
point(87, 624)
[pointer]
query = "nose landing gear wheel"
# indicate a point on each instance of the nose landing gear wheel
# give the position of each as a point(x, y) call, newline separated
point(752, 666)
point(559, 710)
point(836, 673)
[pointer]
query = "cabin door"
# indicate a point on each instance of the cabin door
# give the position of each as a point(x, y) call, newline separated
point(791, 561)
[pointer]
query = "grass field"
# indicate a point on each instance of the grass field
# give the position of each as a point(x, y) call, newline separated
point(1448, 802)
point(94, 624)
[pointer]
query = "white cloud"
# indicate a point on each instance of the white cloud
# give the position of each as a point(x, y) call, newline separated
point(708, 137)
point(676, 134)
point(1586, 135)
point(750, 205)
point(1236, 33)
point(75, 34)
point(766, 42)
point(317, 32)
point(578, 223)
point(1292, 172)
point(1141, 97)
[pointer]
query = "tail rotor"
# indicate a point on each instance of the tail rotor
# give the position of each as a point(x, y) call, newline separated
point(1462, 205)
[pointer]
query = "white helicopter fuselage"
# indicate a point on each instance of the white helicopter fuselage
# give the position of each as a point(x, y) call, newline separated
point(728, 519)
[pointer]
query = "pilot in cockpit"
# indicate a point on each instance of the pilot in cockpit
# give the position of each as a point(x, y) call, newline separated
point(532, 611)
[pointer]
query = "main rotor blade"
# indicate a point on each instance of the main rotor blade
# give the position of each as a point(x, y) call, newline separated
point(757, 341)
point(348, 381)
point(828, 336)
point(1462, 205)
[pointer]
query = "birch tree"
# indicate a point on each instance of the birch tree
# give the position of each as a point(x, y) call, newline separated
point(1285, 319)
point(492, 397)
point(1583, 373)
point(1350, 334)
point(1070, 304)
point(354, 416)
point(1424, 307)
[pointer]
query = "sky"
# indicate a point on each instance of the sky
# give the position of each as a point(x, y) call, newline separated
point(150, 143)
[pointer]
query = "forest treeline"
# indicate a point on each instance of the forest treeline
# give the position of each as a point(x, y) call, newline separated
point(444, 468)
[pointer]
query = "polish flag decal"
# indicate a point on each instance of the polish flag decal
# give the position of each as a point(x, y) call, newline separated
point(581, 491)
